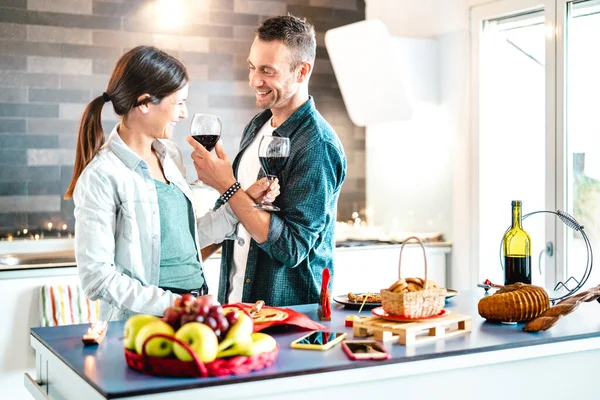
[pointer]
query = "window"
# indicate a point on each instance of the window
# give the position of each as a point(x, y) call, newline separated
point(536, 131)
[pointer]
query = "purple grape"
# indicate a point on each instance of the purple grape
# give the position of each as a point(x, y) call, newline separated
point(203, 309)
point(185, 318)
point(206, 300)
point(200, 318)
point(210, 321)
point(231, 317)
point(222, 324)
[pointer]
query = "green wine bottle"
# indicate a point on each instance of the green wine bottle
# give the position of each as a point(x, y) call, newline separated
point(517, 250)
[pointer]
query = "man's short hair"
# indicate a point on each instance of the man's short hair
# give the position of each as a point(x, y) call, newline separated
point(297, 34)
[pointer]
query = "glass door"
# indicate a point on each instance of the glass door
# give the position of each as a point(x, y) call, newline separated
point(581, 143)
point(510, 140)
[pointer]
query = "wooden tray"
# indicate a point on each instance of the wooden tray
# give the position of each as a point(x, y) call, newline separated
point(410, 333)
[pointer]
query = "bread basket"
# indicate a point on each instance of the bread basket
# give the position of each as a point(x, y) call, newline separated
point(420, 304)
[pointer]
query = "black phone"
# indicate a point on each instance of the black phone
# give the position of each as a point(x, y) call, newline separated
point(365, 350)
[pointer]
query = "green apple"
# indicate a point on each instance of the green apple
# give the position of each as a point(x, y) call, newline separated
point(156, 347)
point(133, 326)
point(201, 339)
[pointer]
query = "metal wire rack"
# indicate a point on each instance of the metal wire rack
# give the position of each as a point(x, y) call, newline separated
point(572, 223)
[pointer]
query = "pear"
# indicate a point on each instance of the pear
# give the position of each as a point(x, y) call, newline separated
point(237, 349)
point(259, 343)
point(238, 332)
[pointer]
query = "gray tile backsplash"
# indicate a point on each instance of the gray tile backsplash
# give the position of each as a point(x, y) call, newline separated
point(55, 56)
point(13, 95)
point(56, 34)
point(59, 95)
point(13, 3)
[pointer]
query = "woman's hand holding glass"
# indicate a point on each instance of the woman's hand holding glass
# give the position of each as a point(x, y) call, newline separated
point(214, 171)
point(206, 130)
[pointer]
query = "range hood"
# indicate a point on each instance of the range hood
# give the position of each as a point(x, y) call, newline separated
point(379, 75)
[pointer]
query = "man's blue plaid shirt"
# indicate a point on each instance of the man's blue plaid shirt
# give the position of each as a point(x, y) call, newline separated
point(286, 269)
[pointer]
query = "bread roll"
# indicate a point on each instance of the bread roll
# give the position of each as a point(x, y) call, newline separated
point(514, 303)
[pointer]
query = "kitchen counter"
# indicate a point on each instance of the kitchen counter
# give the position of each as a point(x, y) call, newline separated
point(494, 361)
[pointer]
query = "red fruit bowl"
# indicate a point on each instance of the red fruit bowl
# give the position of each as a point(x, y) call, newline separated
point(172, 367)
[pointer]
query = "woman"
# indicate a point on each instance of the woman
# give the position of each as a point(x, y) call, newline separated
point(138, 239)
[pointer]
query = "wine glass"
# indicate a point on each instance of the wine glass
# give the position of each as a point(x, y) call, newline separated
point(206, 130)
point(273, 152)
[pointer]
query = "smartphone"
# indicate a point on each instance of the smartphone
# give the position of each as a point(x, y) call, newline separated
point(365, 350)
point(319, 340)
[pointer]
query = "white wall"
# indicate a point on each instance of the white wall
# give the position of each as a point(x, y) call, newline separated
point(420, 18)
point(418, 171)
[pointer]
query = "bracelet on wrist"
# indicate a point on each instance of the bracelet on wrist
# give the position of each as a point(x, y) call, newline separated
point(230, 192)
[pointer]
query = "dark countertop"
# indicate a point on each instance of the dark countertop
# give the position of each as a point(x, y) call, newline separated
point(110, 375)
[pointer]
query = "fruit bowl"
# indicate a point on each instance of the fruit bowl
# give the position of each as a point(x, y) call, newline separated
point(172, 367)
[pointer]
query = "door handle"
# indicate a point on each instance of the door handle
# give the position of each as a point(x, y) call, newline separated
point(34, 388)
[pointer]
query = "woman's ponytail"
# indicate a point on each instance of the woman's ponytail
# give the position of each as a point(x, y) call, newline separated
point(89, 140)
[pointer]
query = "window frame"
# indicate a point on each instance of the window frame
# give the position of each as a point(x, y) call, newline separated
point(554, 21)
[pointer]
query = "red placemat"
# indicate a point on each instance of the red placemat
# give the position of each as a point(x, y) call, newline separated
point(294, 318)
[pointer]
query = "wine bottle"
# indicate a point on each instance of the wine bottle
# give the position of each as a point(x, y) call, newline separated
point(517, 250)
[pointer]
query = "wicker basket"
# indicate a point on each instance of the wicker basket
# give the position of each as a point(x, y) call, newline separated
point(172, 367)
point(424, 303)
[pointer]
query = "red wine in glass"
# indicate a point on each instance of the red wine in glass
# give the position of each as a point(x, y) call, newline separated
point(206, 130)
point(208, 141)
point(273, 152)
point(272, 165)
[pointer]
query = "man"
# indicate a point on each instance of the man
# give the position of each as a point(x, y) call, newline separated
point(285, 267)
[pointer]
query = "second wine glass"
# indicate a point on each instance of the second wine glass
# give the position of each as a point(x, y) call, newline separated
point(206, 130)
point(273, 152)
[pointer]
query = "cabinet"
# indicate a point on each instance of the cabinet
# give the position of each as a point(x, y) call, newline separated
point(372, 268)
point(368, 268)
point(20, 307)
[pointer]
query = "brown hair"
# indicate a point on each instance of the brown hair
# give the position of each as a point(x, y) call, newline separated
point(297, 34)
point(143, 69)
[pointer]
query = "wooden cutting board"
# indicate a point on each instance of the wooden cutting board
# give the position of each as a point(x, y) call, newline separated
point(411, 333)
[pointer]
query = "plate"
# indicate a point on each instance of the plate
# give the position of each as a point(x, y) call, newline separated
point(343, 299)
point(268, 314)
point(450, 293)
point(380, 312)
